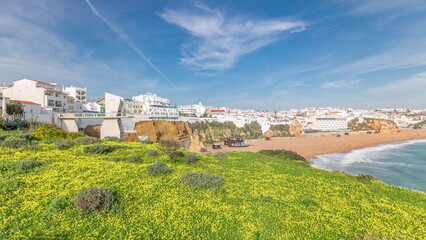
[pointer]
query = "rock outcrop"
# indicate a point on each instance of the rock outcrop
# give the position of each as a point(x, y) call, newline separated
point(157, 130)
point(93, 131)
point(291, 130)
point(382, 125)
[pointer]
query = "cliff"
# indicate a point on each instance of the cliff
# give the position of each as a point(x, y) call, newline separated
point(374, 124)
point(284, 130)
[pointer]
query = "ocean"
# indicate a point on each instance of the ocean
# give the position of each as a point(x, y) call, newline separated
point(400, 164)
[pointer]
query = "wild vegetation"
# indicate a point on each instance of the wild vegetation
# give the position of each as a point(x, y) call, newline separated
point(51, 193)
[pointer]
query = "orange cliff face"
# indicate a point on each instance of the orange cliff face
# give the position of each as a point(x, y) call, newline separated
point(384, 126)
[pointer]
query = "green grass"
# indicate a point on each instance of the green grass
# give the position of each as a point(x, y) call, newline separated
point(264, 197)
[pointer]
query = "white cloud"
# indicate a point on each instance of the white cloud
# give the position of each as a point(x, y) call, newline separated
point(401, 7)
point(341, 84)
point(415, 84)
point(221, 40)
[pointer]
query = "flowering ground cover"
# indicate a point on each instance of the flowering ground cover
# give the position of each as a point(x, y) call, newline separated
point(264, 197)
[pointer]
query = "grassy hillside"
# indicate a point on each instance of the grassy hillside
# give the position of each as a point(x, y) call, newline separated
point(265, 197)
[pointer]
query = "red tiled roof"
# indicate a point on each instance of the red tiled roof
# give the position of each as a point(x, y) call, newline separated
point(24, 102)
point(261, 116)
point(217, 111)
point(40, 82)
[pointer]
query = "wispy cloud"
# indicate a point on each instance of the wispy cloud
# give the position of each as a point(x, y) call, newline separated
point(221, 40)
point(416, 84)
point(401, 7)
point(129, 42)
point(341, 84)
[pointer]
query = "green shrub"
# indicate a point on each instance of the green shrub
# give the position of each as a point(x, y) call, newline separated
point(113, 139)
point(94, 199)
point(87, 140)
point(158, 169)
point(283, 153)
point(115, 147)
point(57, 204)
point(135, 159)
point(27, 136)
point(147, 141)
point(366, 176)
point(64, 144)
point(15, 142)
point(170, 148)
point(202, 180)
point(221, 155)
point(46, 131)
point(191, 158)
point(3, 136)
point(117, 159)
point(152, 153)
point(25, 165)
point(98, 149)
point(74, 135)
point(10, 185)
point(340, 172)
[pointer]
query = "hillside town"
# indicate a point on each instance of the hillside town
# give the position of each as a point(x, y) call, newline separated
point(47, 102)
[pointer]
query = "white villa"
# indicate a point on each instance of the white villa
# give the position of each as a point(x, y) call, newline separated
point(157, 107)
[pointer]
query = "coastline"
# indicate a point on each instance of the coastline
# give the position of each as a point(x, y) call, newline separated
point(310, 146)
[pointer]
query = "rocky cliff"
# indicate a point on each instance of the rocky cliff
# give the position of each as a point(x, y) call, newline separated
point(374, 124)
point(382, 125)
point(285, 130)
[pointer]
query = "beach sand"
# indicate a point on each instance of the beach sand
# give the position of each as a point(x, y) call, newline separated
point(310, 146)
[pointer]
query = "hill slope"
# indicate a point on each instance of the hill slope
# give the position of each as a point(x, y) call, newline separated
point(264, 198)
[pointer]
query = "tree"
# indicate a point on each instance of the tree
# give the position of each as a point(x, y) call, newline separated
point(170, 148)
point(14, 108)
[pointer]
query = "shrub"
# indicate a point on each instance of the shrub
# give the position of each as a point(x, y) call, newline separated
point(170, 148)
point(64, 144)
point(26, 136)
point(340, 172)
point(147, 141)
point(87, 140)
point(366, 176)
point(112, 139)
point(191, 158)
point(135, 159)
point(74, 135)
point(46, 131)
point(25, 165)
point(221, 155)
point(57, 204)
point(202, 180)
point(98, 149)
point(119, 147)
point(3, 136)
point(152, 153)
point(158, 169)
point(94, 199)
point(15, 142)
point(283, 153)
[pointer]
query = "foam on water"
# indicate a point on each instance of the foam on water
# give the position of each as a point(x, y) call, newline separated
point(401, 163)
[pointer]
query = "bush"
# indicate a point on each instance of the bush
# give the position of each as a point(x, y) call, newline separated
point(135, 159)
point(191, 158)
point(64, 144)
point(221, 155)
point(15, 142)
point(203, 180)
point(367, 177)
point(94, 199)
point(57, 204)
point(283, 153)
point(112, 139)
point(46, 131)
point(25, 165)
point(26, 136)
point(158, 169)
point(340, 172)
point(98, 149)
point(3, 136)
point(74, 135)
point(147, 141)
point(87, 140)
point(152, 153)
point(170, 148)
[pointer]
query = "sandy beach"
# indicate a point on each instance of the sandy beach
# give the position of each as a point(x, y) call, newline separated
point(310, 146)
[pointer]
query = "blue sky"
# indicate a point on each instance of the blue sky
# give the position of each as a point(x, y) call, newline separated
point(271, 55)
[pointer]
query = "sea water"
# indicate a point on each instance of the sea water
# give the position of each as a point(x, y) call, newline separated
point(401, 164)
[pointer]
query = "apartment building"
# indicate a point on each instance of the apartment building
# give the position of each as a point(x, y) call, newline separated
point(48, 95)
point(327, 123)
point(78, 93)
point(157, 107)
point(192, 110)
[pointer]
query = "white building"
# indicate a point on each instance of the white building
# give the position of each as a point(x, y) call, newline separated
point(133, 107)
point(157, 107)
point(192, 110)
point(326, 124)
point(48, 95)
point(78, 93)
